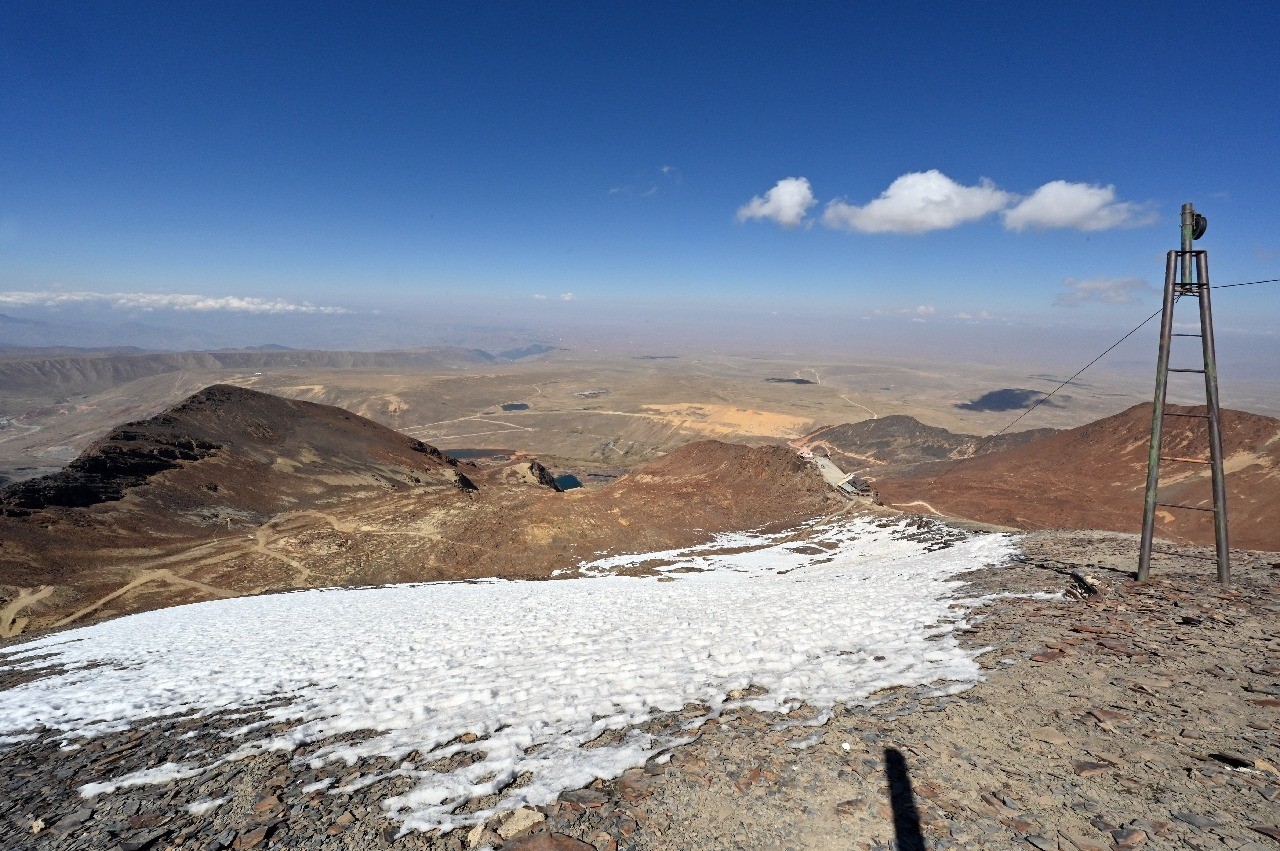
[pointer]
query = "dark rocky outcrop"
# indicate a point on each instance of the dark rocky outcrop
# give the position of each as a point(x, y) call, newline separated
point(126, 458)
point(543, 476)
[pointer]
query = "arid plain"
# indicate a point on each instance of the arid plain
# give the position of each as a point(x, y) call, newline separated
point(578, 410)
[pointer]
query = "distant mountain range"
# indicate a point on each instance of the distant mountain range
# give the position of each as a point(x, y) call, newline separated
point(18, 332)
point(179, 332)
point(89, 371)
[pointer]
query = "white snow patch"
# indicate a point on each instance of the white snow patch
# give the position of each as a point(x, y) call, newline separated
point(318, 785)
point(533, 669)
point(199, 808)
point(165, 773)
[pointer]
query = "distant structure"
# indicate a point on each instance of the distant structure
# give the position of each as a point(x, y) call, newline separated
point(847, 483)
point(1187, 274)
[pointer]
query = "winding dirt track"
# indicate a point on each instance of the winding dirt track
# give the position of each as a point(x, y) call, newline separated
point(10, 623)
point(161, 575)
point(917, 502)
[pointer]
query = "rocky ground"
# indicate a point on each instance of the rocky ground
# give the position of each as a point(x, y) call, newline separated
point(1116, 715)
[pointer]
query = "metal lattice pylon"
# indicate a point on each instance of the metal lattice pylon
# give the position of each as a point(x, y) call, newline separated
point(1187, 274)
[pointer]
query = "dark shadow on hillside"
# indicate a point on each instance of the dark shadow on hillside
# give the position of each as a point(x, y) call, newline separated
point(1008, 399)
point(902, 799)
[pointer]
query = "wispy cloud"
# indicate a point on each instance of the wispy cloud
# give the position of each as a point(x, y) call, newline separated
point(540, 296)
point(1102, 290)
point(919, 202)
point(1082, 206)
point(185, 302)
point(787, 203)
point(924, 201)
point(647, 183)
point(918, 312)
point(568, 297)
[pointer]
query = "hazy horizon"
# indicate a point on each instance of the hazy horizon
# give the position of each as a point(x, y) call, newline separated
point(759, 181)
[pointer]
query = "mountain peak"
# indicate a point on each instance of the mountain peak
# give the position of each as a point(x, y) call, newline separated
point(263, 454)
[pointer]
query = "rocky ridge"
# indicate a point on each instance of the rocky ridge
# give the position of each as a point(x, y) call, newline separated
point(1094, 477)
point(898, 444)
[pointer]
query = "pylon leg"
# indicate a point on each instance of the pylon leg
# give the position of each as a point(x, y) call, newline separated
point(1157, 419)
point(1215, 421)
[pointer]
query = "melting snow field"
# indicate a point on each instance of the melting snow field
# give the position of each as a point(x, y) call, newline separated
point(535, 670)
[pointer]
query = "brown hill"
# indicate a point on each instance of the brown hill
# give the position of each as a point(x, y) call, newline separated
point(676, 500)
point(227, 453)
point(898, 443)
point(1093, 477)
point(237, 492)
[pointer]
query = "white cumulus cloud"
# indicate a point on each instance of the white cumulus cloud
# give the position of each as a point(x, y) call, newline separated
point(187, 302)
point(568, 297)
point(923, 201)
point(787, 203)
point(1083, 206)
point(540, 296)
point(918, 202)
point(1102, 290)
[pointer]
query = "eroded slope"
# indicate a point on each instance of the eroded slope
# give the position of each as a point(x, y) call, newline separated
point(1094, 476)
point(236, 492)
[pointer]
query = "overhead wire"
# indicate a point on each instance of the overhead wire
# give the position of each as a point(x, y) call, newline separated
point(1105, 352)
point(1245, 284)
point(1050, 394)
point(1078, 372)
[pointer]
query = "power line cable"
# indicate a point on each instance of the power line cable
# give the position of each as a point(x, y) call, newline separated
point(1245, 284)
point(1105, 352)
point(1046, 398)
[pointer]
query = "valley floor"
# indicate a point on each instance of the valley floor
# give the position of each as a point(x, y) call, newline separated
point(1114, 716)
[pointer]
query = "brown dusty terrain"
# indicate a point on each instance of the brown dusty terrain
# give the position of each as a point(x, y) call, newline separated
point(577, 408)
point(1093, 477)
point(1113, 716)
point(899, 444)
point(236, 492)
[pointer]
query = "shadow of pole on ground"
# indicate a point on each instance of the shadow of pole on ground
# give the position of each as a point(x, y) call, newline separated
point(902, 799)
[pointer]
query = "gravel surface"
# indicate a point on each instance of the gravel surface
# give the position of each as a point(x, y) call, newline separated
point(1117, 715)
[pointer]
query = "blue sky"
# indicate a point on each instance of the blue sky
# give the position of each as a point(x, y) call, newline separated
point(494, 159)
